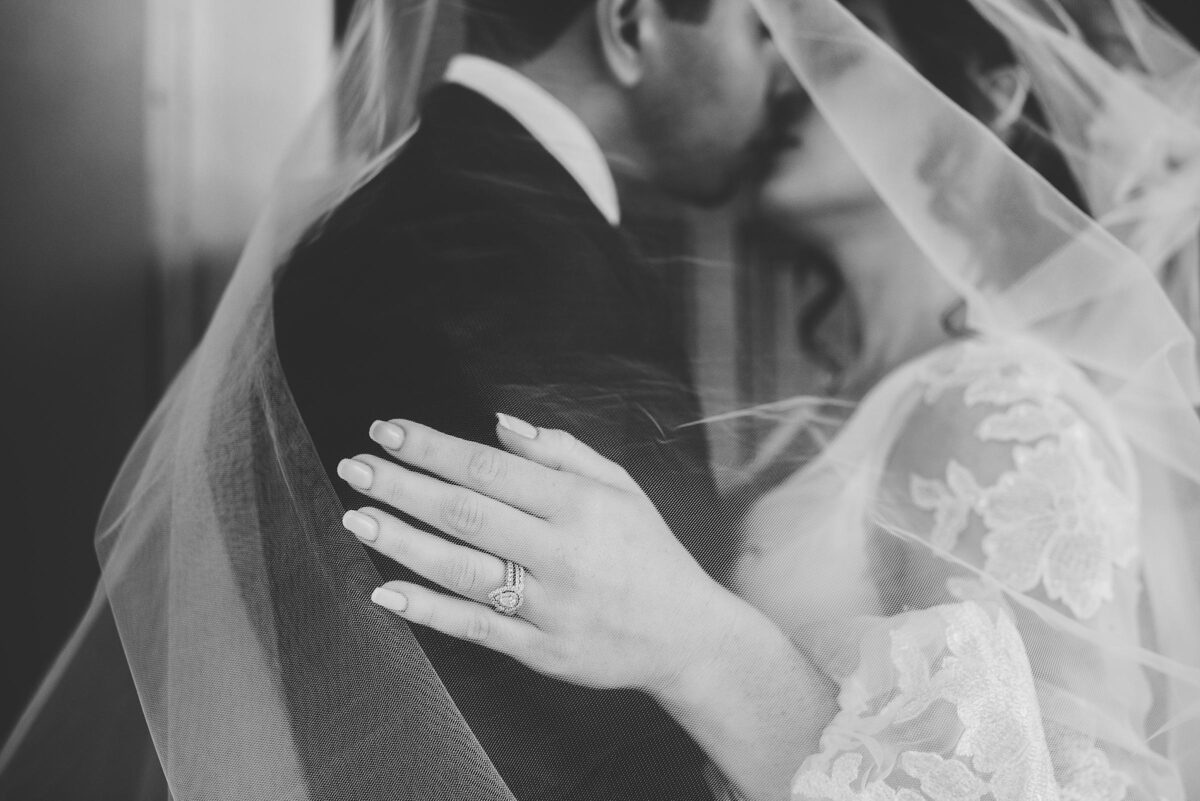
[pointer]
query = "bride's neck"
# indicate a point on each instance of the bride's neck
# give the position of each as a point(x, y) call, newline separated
point(900, 299)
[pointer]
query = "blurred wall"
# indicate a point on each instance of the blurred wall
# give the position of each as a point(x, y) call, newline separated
point(228, 86)
point(138, 140)
point(75, 313)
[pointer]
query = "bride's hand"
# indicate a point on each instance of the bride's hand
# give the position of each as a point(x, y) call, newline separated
point(610, 600)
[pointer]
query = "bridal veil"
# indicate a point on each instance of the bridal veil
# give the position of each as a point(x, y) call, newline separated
point(243, 612)
point(1048, 464)
point(259, 664)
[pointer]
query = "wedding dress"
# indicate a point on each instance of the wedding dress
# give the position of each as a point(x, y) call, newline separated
point(994, 555)
point(1005, 463)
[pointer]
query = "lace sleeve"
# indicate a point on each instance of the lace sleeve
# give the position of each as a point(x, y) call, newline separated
point(941, 706)
point(1005, 466)
point(1007, 522)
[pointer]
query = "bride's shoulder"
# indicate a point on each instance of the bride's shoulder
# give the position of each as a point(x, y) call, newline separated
point(991, 389)
point(978, 391)
point(987, 400)
point(1009, 439)
point(1010, 389)
point(998, 371)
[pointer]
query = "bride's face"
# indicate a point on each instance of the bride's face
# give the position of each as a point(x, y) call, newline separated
point(811, 176)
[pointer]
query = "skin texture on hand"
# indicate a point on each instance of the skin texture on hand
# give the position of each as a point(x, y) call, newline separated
point(598, 555)
point(612, 600)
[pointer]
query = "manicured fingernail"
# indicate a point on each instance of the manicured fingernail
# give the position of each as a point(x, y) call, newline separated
point(518, 427)
point(356, 474)
point(390, 599)
point(388, 435)
point(364, 527)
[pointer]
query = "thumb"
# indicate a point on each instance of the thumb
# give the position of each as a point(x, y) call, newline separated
point(559, 450)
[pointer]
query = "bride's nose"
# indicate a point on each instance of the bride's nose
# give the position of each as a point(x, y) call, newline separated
point(785, 86)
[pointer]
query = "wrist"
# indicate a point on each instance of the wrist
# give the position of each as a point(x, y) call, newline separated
point(750, 699)
point(732, 641)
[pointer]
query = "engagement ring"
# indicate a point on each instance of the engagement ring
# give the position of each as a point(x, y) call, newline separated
point(509, 598)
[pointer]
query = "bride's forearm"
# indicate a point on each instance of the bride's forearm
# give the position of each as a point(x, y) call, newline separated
point(620, 603)
point(754, 703)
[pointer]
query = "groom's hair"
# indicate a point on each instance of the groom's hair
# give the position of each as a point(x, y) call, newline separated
point(516, 31)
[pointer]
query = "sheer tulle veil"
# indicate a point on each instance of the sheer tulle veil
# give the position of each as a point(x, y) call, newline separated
point(260, 665)
point(1032, 268)
point(1120, 89)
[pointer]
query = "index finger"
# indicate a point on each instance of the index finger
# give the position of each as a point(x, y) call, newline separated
point(502, 476)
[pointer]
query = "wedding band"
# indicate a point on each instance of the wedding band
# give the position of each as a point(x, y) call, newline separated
point(510, 597)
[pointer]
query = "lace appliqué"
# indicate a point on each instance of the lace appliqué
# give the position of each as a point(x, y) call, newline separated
point(980, 692)
point(1083, 771)
point(951, 502)
point(1055, 519)
point(988, 374)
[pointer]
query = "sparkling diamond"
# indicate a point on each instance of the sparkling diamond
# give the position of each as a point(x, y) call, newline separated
point(506, 599)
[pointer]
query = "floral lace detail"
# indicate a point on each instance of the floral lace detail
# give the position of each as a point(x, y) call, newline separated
point(1056, 519)
point(1028, 422)
point(951, 502)
point(971, 683)
point(1083, 771)
point(988, 374)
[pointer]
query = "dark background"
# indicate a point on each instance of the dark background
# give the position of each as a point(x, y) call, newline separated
point(82, 306)
point(76, 310)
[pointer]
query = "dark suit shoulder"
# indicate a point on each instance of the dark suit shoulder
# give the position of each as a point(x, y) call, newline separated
point(473, 275)
point(489, 225)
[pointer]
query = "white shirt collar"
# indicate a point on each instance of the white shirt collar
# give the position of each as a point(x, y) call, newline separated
point(550, 122)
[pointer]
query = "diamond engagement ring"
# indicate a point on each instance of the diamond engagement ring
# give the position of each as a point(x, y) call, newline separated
point(509, 598)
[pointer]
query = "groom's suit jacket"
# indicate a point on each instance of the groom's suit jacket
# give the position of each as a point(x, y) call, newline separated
point(473, 275)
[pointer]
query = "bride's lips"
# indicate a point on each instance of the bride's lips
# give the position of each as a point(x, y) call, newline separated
point(767, 156)
point(779, 141)
point(786, 140)
point(782, 134)
point(787, 122)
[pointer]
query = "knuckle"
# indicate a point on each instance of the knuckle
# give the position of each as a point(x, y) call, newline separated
point(555, 447)
point(422, 615)
point(426, 447)
point(462, 514)
point(571, 444)
point(393, 544)
point(484, 466)
point(395, 493)
point(478, 627)
point(569, 447)
point(463, 573)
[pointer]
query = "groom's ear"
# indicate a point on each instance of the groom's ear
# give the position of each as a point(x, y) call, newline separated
point(628, 30)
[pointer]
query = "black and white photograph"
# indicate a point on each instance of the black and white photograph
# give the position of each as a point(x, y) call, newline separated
point(601, 400)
